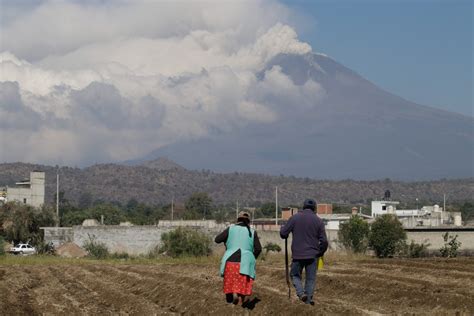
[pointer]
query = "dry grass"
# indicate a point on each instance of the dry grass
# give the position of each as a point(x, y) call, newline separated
point(55, 260)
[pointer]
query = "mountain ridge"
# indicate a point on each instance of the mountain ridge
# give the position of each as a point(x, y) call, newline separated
point(121, 183)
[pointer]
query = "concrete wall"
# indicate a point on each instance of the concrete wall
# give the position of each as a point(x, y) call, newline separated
point(22, 195)
point(37, 188)
point(435, 239)
point(210, 224)
point(131, 239)
point(141, 239)
point(58, 235)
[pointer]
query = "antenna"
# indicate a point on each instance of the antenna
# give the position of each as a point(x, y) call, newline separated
point(276, 205)
point(172, 207)
point(57, 193)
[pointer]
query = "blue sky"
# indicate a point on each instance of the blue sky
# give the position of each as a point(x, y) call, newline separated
point(419, 50)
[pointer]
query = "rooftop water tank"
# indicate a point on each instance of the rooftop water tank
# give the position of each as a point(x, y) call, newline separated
point(457, 220)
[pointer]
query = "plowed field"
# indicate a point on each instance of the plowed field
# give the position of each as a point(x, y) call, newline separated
point(429, 286)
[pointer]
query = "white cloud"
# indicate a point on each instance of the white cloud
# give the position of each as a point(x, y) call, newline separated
point(115, 80)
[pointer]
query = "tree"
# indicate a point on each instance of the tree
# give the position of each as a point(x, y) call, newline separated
point(386, 235)
point(467, 211)
point(199, 205)
point(451, 246)
point(112, 214)
point(354, 234)
point(21, 223)
point(73, 216)
point(266, 210)
point(131, 204)
point(2, 246)
point(85, 200)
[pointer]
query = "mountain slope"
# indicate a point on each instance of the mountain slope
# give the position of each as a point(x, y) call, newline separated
point(111, 182)
point(356, 130)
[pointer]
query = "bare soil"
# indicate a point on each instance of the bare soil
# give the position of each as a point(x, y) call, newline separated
point(361, 287)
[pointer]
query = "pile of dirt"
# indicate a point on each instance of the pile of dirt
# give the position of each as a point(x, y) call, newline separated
point(70, 250)
point(7, 246)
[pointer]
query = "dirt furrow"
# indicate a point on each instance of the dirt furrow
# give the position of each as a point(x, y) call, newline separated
point(175, 293)
point(373, 287)
point(16, 292)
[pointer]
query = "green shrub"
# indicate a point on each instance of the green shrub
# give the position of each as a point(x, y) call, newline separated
point(354, 234)
point(269, 246)
point(96, 249)
point(450, 247)
point(185, 242)
point(120, 255)
point(2, 246)
point(386, 235)
point(414, 250)
point(45, 248)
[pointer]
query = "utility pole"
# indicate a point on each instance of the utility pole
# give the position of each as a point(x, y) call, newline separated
point(276, 205)
point(57, 193)
point(444, 207)
point(172, 208)
point(237, 209)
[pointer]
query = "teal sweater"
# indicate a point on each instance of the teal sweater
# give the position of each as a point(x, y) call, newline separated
point(239, 239)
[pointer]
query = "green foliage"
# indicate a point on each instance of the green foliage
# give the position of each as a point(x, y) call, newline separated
point(85, 200)
point(96, 249)
point(2, 246)
point(386, 235)
point(354, 234)
point(451, 246)
point(185, 242)
point(120, 255)
point(266, 210)
point(73, 216)
point(414, 250)
point(142, 214)
point(269, 246)
point(198, 206)
point(112, 214)
point(467, 211)
point(136, 213)
point(21, 222)
point(44, 248)
point(340, 209)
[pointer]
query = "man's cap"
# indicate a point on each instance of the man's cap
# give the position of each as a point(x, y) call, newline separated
point(309, 203)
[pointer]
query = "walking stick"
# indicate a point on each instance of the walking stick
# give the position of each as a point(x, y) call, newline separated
point(286, 268)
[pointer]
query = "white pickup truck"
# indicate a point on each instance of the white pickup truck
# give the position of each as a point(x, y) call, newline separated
point(23, 249)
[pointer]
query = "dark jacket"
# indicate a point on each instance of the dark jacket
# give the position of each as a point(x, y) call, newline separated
point(309, 235)
point(235, 257)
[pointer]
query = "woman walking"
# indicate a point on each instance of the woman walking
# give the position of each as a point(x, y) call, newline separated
point(238, 263)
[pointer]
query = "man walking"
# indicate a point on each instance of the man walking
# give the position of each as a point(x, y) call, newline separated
point(309, 243)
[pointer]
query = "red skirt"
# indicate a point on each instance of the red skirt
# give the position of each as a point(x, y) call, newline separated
point(234, 282)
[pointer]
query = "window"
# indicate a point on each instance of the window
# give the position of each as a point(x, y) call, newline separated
point(24, 201)
point(384, 207)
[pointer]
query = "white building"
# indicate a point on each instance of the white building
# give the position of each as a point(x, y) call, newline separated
point(428, 216)
point(30, 191)
point(390, 207)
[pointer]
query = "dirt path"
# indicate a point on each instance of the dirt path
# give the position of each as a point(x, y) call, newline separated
point(370, 287)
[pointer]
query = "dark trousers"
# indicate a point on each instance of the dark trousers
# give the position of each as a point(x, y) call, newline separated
point(310, 266)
